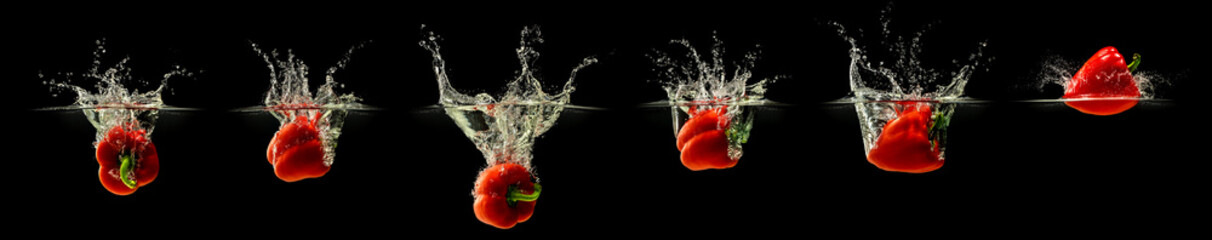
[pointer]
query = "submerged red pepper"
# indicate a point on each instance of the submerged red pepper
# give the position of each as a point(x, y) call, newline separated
point(905, 144)
point(703, 139)
point(297, 150)
point(505, 195)
point(1104, 76)
point(128, 159)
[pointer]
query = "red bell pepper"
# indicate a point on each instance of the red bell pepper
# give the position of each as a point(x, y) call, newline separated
point(297, 150)
point(703, 140)
point(128, 159)
point(905, 144)
point(1104, 76)
point(505, 195)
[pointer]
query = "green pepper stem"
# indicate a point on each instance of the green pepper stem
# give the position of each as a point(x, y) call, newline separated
point(938, 129)
point(738, 132)
point(515, 195)
point(1135, 62)
point(127, 171)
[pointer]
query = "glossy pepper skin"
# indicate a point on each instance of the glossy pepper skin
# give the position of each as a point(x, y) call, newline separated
point(905, 144)
point(505, 195)
point(1103, 76)
point(703, 140)
point(297, 150)
point(128, 159)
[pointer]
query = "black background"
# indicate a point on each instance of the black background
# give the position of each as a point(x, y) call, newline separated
point(407, 168)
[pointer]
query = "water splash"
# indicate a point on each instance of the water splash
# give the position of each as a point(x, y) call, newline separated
point(109, 103)
point(890, 70)
point(689, 77)
point(504, 128)
point(694, 82)
point(905, 75)
point(289, 95)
